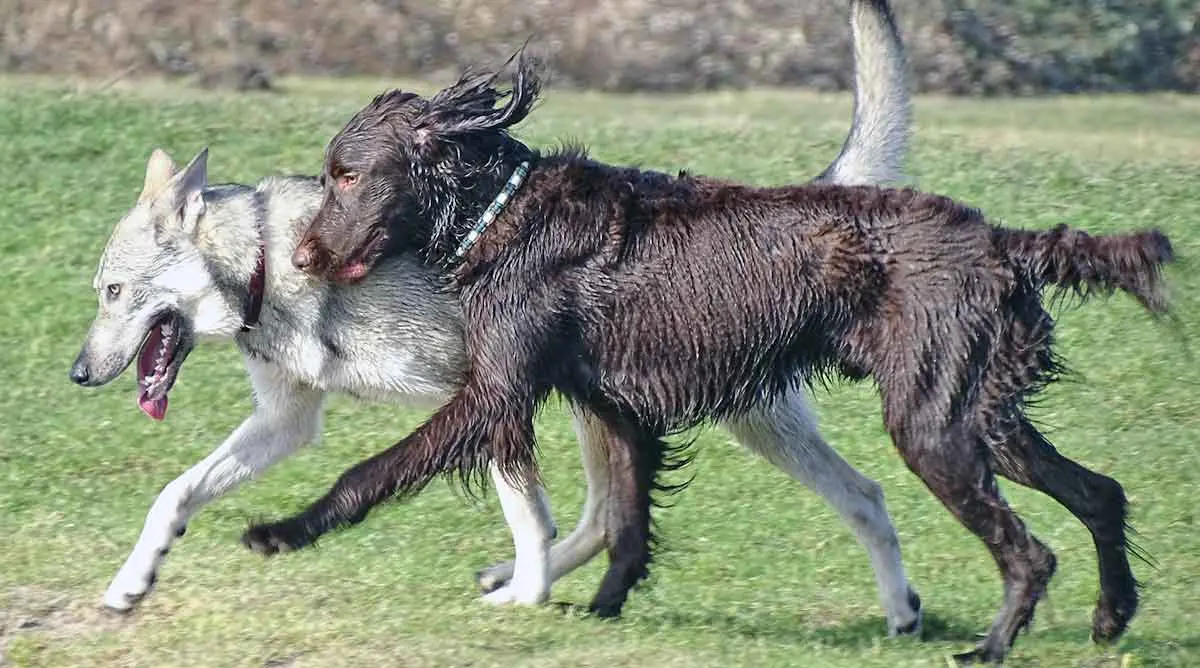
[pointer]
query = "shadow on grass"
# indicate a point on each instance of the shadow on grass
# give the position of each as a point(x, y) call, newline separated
point(935, 628)
point(867, 632)
point(794, 629)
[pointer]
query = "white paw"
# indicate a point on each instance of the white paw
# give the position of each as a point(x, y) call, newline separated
point(914, 619)
point(494, 577)
point(123, 597)
point(516, 595)
point(129, 587)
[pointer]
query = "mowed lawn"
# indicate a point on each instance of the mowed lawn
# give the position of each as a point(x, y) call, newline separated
point(755, 570)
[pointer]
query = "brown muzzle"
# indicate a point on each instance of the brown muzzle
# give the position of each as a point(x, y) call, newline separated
point(310, 257)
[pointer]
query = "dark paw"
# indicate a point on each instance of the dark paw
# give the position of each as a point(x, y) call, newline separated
point(605, 610)
point(1111, 618)
point(979, 655)
point(269, 539)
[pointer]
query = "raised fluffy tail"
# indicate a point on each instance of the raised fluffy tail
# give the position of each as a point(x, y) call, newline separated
point(1074, 260)
point(877, 146)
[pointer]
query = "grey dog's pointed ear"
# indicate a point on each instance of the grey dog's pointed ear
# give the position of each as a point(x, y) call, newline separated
point(160, 168)
point(182, 198)
point(190, 191)
point(470, 105)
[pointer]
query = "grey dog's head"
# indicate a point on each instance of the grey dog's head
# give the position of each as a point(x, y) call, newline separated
point(405, 171)
point(153, 287)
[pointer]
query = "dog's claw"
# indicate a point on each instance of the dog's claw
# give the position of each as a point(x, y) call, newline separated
point(270, 539)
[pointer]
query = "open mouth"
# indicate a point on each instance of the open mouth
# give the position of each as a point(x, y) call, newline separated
point(361, 261)
point(158, 363)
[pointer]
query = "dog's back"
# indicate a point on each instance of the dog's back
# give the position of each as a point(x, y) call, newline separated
point(735, 288)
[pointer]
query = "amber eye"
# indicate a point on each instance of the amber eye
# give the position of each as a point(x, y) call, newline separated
point(113, 290)
point(347, 180)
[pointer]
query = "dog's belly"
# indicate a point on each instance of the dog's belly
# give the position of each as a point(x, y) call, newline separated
point(397, 374)
point(395, 378)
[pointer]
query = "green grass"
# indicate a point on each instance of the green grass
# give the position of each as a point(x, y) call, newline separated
point(756, 570)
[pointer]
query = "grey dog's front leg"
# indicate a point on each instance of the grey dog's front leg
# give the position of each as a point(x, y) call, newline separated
point(286, 417)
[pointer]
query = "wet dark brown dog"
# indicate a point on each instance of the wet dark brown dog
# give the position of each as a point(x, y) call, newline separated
point(662, 301)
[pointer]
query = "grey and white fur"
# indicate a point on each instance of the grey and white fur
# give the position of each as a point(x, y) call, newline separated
point(178, 266)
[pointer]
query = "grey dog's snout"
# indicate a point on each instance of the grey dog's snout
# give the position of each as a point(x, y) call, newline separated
point(80, 373)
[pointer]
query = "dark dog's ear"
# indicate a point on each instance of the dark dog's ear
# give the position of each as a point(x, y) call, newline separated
point(470, 105)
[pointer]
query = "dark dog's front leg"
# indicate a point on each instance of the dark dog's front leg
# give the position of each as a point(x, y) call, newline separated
point(455, 439)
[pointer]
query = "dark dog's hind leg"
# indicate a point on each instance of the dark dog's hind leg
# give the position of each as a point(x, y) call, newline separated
point(954, 465)
point(1097, 501)
point(635, 458)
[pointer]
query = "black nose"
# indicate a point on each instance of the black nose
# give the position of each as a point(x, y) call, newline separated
point(79, 373)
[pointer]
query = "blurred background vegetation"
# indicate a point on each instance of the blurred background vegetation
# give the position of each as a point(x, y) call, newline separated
point(965, 47)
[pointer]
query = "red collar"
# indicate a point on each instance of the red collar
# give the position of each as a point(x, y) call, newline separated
point(254, 299)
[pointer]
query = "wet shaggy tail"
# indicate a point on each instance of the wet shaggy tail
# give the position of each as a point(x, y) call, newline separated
point(1077, 261)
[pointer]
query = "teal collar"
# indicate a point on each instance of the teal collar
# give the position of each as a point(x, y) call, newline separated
point(489, 214)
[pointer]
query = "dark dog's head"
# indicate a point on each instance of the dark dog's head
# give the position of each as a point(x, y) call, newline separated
point(410, 173)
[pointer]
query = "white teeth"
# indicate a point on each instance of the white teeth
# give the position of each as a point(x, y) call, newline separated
point(166, 344)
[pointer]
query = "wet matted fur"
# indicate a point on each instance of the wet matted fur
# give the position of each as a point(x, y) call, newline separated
point(661, 301)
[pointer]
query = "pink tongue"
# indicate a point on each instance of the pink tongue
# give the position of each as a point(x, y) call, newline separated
point(351, 272)
point(155, 408)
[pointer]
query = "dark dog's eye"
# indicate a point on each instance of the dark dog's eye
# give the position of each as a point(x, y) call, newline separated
point(112, 290)
point(347, 180)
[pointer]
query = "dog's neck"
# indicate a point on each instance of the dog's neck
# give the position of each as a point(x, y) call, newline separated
point(234, 252)
point(456, 196)
point(493, 209)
